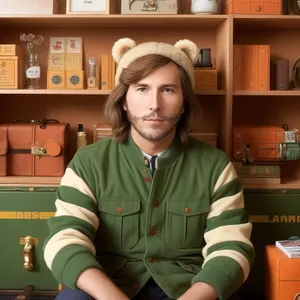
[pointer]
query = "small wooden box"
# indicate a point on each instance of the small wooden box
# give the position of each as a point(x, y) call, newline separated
point(149, 7)
point(262, 7)
point(10, 72)
point(206, 79)
point(74, 61)
point(282, 275)
point(29, 7)
point(56, 61)
point(75, 79)
point(251, 67)
point(8, 50)
point(56, 80)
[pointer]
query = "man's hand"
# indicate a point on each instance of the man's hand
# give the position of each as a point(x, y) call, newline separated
point(99, 286)
point(200, 291)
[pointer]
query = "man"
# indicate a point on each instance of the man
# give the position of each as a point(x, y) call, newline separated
point(150, 214)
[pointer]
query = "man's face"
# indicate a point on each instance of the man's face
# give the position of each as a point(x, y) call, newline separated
point(154, 105)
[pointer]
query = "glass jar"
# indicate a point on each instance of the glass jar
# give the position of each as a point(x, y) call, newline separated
point(204, 6)
point(32, 71)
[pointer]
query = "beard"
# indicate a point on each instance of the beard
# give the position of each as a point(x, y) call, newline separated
point(156, 133)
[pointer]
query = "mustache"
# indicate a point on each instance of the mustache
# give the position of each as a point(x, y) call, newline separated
point(157, 115)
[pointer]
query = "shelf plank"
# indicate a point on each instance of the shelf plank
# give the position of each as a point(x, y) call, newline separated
point(267, 93)
point(113, 20)
point(85, 92)
point(29, 181)
point(266, 21)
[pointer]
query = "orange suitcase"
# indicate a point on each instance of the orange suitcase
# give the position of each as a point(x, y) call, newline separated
point(35, 148)
point(282, 275)
point(262, 142)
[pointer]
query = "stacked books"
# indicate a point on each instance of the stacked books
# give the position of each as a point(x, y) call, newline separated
point(258, 174)
point(289, 247)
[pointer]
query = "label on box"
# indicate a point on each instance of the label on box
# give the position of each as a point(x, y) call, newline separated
point(74, 45)
point(57, 45)
point(33, 72)
point(87, 5)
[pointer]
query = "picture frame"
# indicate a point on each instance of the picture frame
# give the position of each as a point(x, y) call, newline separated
point(87, 6)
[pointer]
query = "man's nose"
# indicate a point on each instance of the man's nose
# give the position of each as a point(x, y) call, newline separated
point(155, 100)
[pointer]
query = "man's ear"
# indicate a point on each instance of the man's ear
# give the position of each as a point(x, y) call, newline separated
point(124, 104)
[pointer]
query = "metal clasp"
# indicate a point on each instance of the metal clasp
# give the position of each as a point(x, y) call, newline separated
point(150, 6)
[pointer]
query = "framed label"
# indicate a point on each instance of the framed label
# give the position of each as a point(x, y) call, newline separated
point(87, 7)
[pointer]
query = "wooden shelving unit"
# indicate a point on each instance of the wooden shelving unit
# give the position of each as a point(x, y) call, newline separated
point(221, 109)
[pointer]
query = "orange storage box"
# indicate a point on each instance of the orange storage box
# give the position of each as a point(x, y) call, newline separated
point(262, 7)
point(282, 275)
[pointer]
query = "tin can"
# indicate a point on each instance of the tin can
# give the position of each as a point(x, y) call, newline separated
point(289, 151)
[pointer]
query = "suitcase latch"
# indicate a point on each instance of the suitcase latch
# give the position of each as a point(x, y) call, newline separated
point(39, 151)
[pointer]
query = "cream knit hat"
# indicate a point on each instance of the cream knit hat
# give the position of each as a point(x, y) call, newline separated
point(184, 53)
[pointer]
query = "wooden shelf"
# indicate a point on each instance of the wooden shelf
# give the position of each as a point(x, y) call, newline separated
point(55, 181)
point(184, 20)
point(267, 21)
point(293, 184)
point(266, 93)
point(29, 181)
point(86, 92)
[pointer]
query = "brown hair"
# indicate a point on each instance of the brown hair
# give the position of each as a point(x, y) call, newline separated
point(140, 68)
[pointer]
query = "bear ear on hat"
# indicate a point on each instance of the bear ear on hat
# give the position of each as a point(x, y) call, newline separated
point(189, 48)
point(120, 47)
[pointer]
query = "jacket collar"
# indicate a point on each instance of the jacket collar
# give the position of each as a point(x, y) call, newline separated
point(135, 155)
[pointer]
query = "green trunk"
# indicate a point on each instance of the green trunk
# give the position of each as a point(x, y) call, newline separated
point(275, 214)
point(24, 212)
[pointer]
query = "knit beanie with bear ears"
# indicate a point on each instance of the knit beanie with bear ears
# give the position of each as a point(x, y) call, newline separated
point(184, 53)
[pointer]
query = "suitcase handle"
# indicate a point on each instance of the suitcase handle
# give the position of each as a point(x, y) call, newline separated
point(43, 122)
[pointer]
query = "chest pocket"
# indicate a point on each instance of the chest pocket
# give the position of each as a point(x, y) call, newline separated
point(119, 223)
point(186, 220)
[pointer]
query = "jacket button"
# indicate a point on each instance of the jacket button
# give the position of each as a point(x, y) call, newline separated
point(119, 209)
point(155, 203)
point(152, 232)
point(145, 170)
point(151, 259)
point(147, 179)
point(187, 210)
point(190, 268)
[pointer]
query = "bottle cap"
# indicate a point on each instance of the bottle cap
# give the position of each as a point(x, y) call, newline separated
point(79, 127)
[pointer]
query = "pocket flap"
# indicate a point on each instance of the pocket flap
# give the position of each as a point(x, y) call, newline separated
point(119, 208)
point(3, 140)
point(188, 208)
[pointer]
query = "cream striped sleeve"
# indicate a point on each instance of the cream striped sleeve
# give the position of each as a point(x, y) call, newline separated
point(69, 248)
point(228, 253)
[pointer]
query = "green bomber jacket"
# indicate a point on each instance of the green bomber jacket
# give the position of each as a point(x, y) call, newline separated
point(184, 224)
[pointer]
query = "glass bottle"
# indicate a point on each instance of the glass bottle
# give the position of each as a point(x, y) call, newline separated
point(32, 70)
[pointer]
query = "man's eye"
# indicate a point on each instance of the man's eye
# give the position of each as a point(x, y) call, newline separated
point(141, 89)
point(168, 90)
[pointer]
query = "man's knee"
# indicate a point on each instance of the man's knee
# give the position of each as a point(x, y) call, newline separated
point(70, 294)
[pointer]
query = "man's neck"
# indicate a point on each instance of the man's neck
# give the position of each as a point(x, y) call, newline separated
point(152, 147)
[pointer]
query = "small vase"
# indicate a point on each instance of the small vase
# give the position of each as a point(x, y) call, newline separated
point(32, 70)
